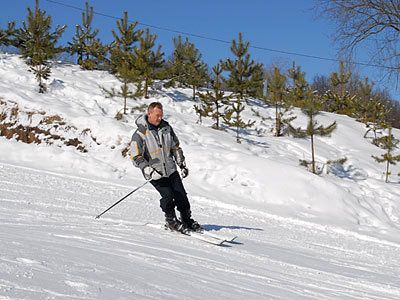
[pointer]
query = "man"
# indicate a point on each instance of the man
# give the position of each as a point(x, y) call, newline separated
point(155, 150)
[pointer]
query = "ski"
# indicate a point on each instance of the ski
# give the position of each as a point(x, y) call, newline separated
point(228, 239)
point(214, 240)
point(206, 238)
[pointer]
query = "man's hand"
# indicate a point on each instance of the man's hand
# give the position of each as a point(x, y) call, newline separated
point(184, 170)
point(150, 173)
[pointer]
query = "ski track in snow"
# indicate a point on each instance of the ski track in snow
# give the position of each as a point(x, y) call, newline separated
point(52, 247)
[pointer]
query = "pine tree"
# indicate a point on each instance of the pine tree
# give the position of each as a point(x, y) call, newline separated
point(277, 96)
point(338, 99)
point(370, 110)
point(38, 43)
point(364, 98)
point(204, 108)
point(7, 35)
point(232, 117)
point(245, 76)
point(123, 58)
point(147, 61)
point(196, 70)
point(312, 108)
point(276, 91)
point(213, 101)
point(177, 63)
point(124, 44)
point(389, 143)
point(245, 79)
point(186, 66)
point(298, 90)
point(90, 51)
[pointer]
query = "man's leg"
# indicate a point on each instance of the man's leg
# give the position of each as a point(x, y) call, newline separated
point(182, 202)
point(179, 193)
point(167, 203)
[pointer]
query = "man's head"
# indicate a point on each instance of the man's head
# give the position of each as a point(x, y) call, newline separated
point(155, 113)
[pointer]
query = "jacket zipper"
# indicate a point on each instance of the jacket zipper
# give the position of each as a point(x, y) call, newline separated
point(160, 136)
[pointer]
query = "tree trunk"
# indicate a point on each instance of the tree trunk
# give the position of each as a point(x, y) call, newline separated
point(200, 112)
point(80, 59)
point(312, 154)
point(217, 115)
point(194, 92)
point(387, 172)
point(277, 120)
point(41, 87)
point(125, 88)
point(146, 86)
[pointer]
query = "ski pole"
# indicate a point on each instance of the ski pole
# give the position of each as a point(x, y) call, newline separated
point(98, 216)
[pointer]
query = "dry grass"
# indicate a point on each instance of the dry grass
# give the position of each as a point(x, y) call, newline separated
point(52, 120)
point(21, 133)
point(3, 116)
point(37, 135)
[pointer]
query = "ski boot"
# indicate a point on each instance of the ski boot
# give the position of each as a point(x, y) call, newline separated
point(172, 223)
point(188, 223)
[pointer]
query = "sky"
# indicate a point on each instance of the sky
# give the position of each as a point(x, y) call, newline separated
point(285, 25)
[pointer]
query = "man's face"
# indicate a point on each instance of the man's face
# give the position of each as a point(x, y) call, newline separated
point(154, 116)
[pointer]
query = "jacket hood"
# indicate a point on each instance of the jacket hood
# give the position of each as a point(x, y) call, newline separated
point(143, 125)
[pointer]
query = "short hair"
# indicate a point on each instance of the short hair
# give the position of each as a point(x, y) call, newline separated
point(153, 105)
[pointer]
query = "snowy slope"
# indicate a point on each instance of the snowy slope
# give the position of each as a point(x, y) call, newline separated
point(300, 236)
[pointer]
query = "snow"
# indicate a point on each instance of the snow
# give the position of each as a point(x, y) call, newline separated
point(300, 236)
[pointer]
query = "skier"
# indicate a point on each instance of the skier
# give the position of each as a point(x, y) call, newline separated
point(155, 150)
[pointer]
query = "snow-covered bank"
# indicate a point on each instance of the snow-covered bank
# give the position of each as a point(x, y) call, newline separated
point(262, 173)
point(301, 235)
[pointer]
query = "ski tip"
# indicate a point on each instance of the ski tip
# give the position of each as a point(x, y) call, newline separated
point(233, 239)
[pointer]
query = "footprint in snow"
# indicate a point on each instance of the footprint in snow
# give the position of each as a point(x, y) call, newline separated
point(79, 286)
point(27, 261)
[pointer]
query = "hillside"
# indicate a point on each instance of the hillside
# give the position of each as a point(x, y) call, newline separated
point(300, 236)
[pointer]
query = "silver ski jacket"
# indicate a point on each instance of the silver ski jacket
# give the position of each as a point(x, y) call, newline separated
point(157, 147)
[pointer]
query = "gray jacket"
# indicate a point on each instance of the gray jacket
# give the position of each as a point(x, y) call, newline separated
point(157, 147)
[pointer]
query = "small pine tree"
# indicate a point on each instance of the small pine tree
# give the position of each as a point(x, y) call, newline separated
point(38, 43)
point(213, 101)
point(204, 108)
point(298, 90)
point(7, 35)
point(276, 91)
point(245, 79)
point(232, 117)
point(147, 61)
point(370, 109)
point(176, 65)
point(339, 100)
point(312, 108)
point(245, 76)
point(389, 143)
point(123, 58)
point(197, 70)
point(124, 44)
point(89, 50)
point(186, 66)
point(277, 96)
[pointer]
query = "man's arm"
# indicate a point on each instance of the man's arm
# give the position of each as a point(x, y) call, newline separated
point(177, 151)
point(137, 152)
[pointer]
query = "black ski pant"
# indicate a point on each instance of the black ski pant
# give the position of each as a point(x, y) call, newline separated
point(172, 193)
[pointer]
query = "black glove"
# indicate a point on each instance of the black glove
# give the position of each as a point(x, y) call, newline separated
point(184, 171)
